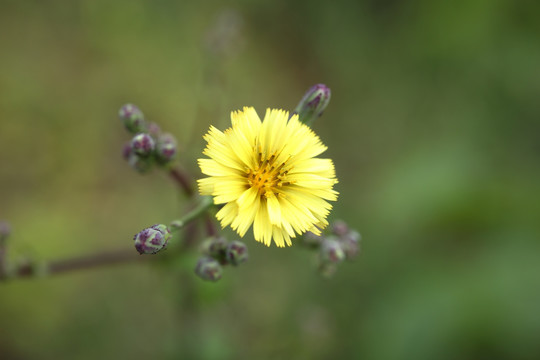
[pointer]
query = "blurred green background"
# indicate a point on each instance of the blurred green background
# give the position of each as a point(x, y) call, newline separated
point(434, 127)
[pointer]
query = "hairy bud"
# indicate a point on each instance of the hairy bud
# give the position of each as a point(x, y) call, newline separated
point(236, 253)
point(331, 251)
point(351, 244)
point(214, 247)
point(140, 163)
point(340, 228)
point(142, 144)
point(208, 269)
point(153, 239)
point(166, 148)
point(313, 103)
point(133, 118)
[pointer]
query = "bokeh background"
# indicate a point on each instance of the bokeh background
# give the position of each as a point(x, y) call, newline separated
point(434, 128)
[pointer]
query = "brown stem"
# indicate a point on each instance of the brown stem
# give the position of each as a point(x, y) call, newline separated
point(82, 262)
point(183, 181)
point(211, 229)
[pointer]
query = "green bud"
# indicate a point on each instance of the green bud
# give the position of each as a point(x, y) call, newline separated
point(313, 103)
point(140, 163)
point(331, 251)
point(133, 118)
point(236, 252)
point(340, 228)
point(153, 239)
point(166, 148)
point(142, 144)
point(208, 269)
point(351, 244)
point(214, 247)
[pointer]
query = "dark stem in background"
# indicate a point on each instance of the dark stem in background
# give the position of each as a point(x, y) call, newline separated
point(183, 180)
point(211, 229)
point(80, 263)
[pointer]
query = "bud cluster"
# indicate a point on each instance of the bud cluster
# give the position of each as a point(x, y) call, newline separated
point(149, 146)
point(217, 252)
point(341, 244)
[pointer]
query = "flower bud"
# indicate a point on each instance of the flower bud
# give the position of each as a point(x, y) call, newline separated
point(236, 252)
point(133, 118)
point(214, 247)
point(153, 239)
point(142, 144)
point(340, 228)
point(208, 269)
point(351, 244)
point(140, 163)
point(165, 148)
point(313, 103)
point(331, 251)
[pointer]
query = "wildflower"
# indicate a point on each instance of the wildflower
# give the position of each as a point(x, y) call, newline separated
point(267, 174)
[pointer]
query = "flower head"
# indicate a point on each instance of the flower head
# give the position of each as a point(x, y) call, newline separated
point(267, 174)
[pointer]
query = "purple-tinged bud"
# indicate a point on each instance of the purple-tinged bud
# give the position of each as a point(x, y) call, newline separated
point(353, 235)
point(312, 240)
point(236, 252)
point(214, 247)
point(133, 118)
point(313, 103)
point(5, 230)
point(208, 269)
point(153, 239)
point(142, 144)
point(340, 228)
point(331, 251)
point(140, 163)
point(166, 148)
point(351, 244)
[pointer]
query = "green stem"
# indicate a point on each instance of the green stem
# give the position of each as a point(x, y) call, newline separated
point(204, 205)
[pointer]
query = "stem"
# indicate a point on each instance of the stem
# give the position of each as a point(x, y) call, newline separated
point(81, 263)
point(211, 229)
point(183, 180)
point(204, 205)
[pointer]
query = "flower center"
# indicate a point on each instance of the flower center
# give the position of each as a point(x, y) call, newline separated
point(268, 176)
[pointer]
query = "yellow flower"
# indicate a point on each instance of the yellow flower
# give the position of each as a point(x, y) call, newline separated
point(267, 174)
